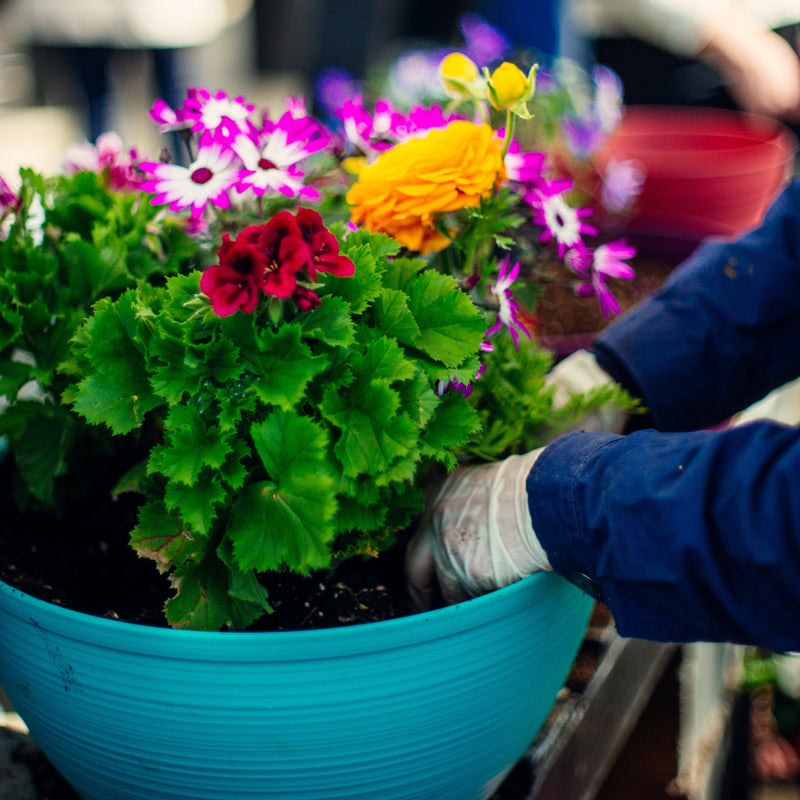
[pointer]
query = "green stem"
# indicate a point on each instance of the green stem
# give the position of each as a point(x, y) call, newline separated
point(509, 132)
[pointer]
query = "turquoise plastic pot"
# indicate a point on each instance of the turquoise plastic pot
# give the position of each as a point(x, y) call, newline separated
point(438, 705)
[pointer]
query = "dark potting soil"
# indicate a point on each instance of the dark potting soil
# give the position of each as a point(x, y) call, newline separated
point(83, 561)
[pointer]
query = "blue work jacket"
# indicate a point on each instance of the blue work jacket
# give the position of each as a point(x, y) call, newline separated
point(687, 532)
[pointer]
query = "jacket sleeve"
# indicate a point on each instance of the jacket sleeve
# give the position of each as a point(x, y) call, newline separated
point(686, 536)
point(722, 332)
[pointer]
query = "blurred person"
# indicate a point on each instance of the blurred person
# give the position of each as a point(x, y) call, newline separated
point(739, 54)
point(91, 33)
point(688, 532)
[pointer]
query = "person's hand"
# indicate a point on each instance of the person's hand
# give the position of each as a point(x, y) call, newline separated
point(761, 69)
point(476, 536)
point(579, 373)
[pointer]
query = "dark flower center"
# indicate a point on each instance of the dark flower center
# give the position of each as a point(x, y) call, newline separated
point(202, 175)
point(265, 163)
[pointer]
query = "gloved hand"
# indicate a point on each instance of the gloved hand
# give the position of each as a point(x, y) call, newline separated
point(477, 535)
point(580, 373)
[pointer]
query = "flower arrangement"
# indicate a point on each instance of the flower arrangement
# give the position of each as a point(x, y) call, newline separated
point(294, 323)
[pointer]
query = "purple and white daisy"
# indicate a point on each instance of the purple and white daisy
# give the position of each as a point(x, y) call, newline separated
point(560, 221)
point(208, 112)
point(107, 157)
point(169, 119)
point(507, 307)
point(522, 167)
point(270, 162)
point(207, 179)
point(607, 103)
point(597, 265)
point(622, 183)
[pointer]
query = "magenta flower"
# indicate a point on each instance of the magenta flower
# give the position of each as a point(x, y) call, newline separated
point(207, 179)
point(596, 266)
point(522, 167)
point(169, 119)
point(207, 112)
point(441, 386)
point(507, 307)
point(106, 157)
point(270, 160)
point(622, 183)
point(561, 222)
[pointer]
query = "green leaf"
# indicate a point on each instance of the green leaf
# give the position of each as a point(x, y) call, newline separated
point(192, 445)
point(203, 600)
point(373, 434)
point(116, 390)
point(362, 287)
point(287, 519)
point(452, 425)
point(41, 448)
point(285, 365)
point(451, 327)
point(393, 314)
point(382, 359)
point(330, 323)
point(196, 504)
point(273, 526)
point(162, 537)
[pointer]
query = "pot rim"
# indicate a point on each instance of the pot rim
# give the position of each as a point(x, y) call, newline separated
point(258, 645)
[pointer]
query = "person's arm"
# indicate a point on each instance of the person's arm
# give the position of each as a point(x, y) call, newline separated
point(721, 333)
point(686, 536)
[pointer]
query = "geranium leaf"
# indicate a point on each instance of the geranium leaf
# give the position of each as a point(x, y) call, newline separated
point(285, 366)
point(275, 526)
point(360, 289)
point(451, 328)
point(382, 359)
point(452, 425)
point(197, 504)
point(330, 323)
point(286, 520)
point(203, 600)
point(394, 316)
point(191, 445)
point(373, 434)
point(162, 536)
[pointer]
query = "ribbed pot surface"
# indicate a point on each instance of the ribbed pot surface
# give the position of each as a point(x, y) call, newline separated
point(438, 705)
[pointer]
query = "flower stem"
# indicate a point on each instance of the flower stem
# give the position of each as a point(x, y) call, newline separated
point(509, 132)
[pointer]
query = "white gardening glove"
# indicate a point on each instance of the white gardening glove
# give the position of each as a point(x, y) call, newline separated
point(580, 373)
point(477, 535)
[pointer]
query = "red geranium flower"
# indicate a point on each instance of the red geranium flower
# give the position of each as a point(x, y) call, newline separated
point(305, 299)
point(230, 290)
point(323, 245)
point(286, 252)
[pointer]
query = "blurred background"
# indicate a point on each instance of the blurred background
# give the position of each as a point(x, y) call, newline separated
point(70, 69)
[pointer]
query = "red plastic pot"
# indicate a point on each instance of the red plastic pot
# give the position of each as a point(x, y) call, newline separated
point(708, 171)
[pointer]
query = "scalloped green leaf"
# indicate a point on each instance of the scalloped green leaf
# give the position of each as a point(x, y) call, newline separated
point(373, 434)
point(451, 327)
point(330, 323)
point(196, 504)
point(286, 366)
point(286, 520)
point(392, 313)
point(116, 391)
point(191, 445)
point(162, 537)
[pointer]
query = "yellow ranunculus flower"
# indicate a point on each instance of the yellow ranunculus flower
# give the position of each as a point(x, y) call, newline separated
point(448, 169)
point(509, 88)
point(458, 74)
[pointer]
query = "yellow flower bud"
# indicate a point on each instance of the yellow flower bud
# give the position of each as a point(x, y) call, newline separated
point(509, 88)
point(458, 74)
